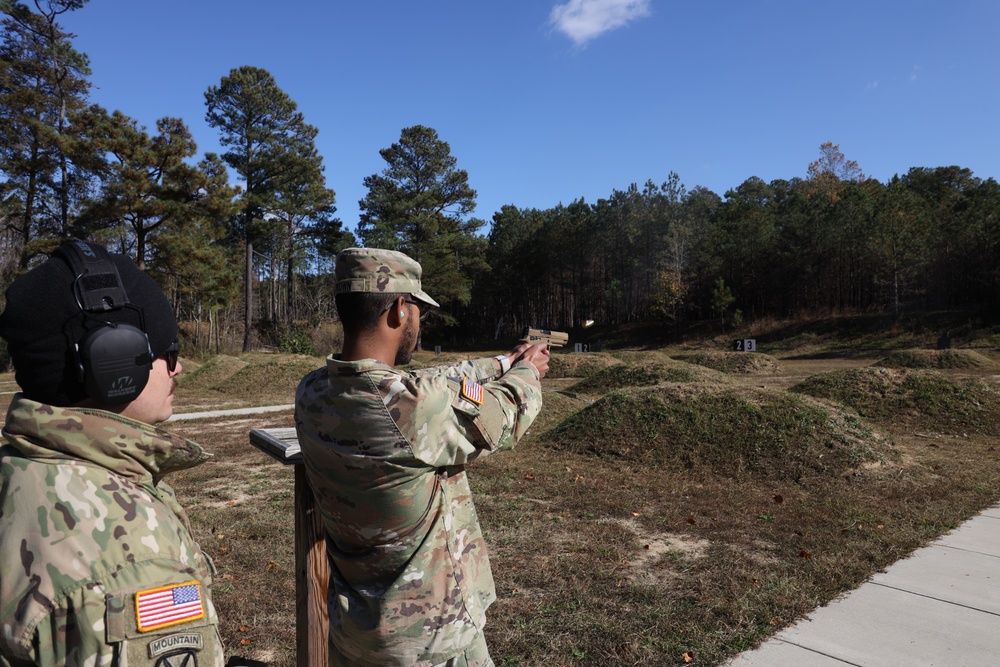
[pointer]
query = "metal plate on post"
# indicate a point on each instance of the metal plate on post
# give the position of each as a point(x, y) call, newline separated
point(281, 444)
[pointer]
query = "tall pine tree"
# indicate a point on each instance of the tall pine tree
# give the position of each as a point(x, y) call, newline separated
point(267, 141)
point(420, 205)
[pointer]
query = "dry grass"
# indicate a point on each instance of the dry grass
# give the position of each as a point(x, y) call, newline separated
point(736, 362)
point(563, 365)
point(937, 359)
point(268, 380)
point(241, 505)
point(643, 520)
point(647, 374)
point(212, 372)
point(226, 382)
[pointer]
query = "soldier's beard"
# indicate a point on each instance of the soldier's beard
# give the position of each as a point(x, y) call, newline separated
point(406, 346)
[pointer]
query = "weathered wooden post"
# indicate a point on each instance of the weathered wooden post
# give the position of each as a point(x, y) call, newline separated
point(311, 568)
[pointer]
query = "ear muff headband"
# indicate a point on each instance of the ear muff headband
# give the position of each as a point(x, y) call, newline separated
point(113, 359)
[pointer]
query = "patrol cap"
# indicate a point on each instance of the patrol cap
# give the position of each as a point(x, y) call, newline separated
point(377, 270)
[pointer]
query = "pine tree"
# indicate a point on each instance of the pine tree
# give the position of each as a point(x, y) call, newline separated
point(303, 203)
point(420, 205)
point(43, 85)
point(193, 261)
point(267, 142)
point(148, 184)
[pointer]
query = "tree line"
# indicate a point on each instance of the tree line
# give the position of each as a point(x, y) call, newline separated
point(833, 241)
point(243, 241)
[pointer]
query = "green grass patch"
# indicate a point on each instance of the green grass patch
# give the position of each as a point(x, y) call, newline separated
point(743, 363)
point(630, 375)
point(578, 365)
point(924, 399)
point(731, 432)
point(212, 373)
point(937, 359)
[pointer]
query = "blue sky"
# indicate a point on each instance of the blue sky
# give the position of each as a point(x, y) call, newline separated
point(548, 101)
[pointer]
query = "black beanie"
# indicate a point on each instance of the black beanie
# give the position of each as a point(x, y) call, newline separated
point(43, 321)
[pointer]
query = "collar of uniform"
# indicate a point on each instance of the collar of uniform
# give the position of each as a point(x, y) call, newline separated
point(335, 365)
point(125, 446)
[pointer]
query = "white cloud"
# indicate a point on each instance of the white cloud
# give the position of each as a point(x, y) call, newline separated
point(872, 85)
point(583, 20)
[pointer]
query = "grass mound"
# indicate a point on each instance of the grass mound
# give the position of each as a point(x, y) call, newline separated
point(579, 365)
point(189, 364)
point(916, 397)
point(213, 372)
point(641, 375)
point(937, 359)
point(743, 363)
point(643, 356)
point(274, 377)
point(731, 432)
point(989, 337)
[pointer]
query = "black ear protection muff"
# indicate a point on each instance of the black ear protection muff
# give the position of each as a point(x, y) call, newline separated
point(113, 359)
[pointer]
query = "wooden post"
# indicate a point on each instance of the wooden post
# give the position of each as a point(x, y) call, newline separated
point(312, 573)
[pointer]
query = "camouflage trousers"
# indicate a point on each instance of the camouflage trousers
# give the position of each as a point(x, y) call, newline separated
point(476, 655)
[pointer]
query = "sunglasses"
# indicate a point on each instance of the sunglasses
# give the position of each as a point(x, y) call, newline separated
point(420, 308)
point(171, 355)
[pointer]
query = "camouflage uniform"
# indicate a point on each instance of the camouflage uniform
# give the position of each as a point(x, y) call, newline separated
point(96, 546)
point(385, 453)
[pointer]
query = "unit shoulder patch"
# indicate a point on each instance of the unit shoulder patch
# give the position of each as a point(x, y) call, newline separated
point(162, 645)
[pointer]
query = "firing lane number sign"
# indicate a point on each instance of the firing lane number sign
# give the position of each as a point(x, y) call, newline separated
point(745, 345)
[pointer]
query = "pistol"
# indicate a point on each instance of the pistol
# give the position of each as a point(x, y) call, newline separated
point(550, 338)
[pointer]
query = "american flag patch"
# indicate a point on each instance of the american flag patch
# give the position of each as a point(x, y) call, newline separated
point(168, 605)
point(472, 391)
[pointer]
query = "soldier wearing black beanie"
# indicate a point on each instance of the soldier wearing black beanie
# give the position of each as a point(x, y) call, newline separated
point(106, 569)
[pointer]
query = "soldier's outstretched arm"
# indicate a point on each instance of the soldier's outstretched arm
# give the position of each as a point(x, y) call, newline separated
point(454, 420)
point(480, 370)
point(488, 368)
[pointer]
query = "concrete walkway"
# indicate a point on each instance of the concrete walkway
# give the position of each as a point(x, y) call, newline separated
point(940, 606)
point(235, 412)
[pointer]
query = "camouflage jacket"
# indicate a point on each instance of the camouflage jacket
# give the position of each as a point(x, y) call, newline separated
point(99, 564)
point(384, 453)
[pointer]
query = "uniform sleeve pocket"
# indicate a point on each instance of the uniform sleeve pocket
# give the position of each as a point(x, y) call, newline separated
point(488, 421)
